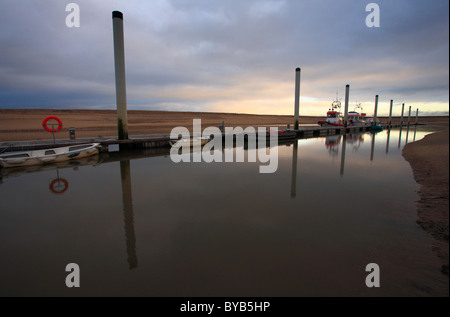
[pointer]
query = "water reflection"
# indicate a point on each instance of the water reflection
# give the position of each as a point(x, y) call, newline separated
point(294, 170)
point(372, 146)
point(58, 185)
point(408, 127)
point(354, 140)
point(387, 140)
point(221, 229)
point(407, 133)
point(344, 145)
point(332, 144)
point(128, 215)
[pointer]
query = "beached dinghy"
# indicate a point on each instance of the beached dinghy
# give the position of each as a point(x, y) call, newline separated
point(51, 155)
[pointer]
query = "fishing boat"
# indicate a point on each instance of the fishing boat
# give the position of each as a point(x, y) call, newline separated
point(356, 118)
point(334, 117)
point(49, 155)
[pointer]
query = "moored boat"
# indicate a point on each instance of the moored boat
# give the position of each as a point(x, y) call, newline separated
point(191, 141)
point(375, 125)
point(376, 128)
point(335, 118)
point(356, 118)
point(49, 155)
point(333, 115)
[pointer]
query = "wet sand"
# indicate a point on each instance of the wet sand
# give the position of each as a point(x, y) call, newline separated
point(26, 124)
point(429, 161)
point(17, 125)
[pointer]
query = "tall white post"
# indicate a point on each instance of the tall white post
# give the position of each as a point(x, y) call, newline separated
point(119, 61)
point(401, 118)
point(297, 97)
point(375, 112)
point(409, 115)
point(390, 112)
point(347, 93)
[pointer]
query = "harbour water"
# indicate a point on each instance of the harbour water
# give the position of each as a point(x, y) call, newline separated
point(138, 224)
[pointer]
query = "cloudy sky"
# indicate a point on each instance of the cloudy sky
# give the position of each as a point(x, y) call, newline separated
point(227, 55)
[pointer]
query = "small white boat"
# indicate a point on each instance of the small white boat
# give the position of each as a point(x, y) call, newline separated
point(191, 141)
point(50, 155)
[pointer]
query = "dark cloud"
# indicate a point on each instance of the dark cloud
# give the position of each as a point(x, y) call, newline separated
point(191, 55)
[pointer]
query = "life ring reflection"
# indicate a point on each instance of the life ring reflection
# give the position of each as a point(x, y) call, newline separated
point(59, 186)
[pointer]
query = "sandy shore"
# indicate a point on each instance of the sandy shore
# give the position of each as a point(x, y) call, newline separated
point(26, 124)
point(429, 161)
point(16, 125)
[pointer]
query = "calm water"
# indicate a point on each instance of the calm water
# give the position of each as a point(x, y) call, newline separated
point(138, 224)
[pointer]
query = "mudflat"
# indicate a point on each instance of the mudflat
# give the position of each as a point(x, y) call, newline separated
point(26, 124)
point(430, 164)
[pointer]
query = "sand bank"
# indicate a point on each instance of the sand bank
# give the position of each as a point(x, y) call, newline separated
point(429, 161)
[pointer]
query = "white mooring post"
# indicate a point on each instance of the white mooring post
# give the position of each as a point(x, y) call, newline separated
point(119, 62)
point(409, 115)
point(375, 111)
point(390, 113)
point(297, 98)
point(347, 93)
point(401, 118)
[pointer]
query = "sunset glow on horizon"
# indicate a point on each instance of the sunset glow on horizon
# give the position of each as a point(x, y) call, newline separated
point(227, 56)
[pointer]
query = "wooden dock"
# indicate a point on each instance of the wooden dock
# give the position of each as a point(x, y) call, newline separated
point(112, 144)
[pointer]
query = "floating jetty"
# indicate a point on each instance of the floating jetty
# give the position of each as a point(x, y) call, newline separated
point(113, 144)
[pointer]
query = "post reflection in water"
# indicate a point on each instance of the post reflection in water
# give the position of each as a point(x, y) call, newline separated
point(372, 147)
point(294, 170)
point(415, 131)
point(400, 137)
point(344, 143)
point(127, 201)
point(407, 134)
point(387, 140)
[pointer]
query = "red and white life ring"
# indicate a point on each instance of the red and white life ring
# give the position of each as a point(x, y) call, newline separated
point(46, 126)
